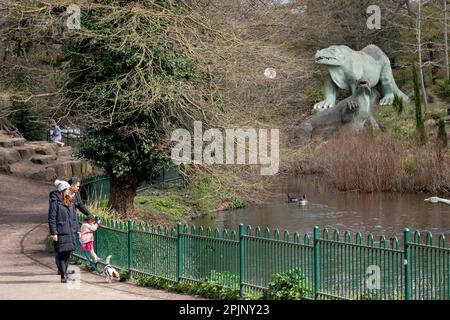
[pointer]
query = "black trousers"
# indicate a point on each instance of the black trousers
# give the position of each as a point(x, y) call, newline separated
point(62, 262)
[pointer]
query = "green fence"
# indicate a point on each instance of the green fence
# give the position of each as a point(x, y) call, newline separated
point(336, 266)
point(97, 187)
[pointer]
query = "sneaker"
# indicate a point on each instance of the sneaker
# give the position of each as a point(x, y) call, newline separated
point(63, 280)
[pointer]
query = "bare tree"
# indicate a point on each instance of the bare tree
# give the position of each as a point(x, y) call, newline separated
point(419, 52)
point(447, 73)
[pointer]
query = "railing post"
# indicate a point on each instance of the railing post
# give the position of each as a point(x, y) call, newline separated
point(316, 266)
point(179, 251)
point(95, 241)
point(241, 259)
point(130, 246)
point(407, 265)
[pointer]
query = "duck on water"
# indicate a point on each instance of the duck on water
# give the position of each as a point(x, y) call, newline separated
point(301, 201)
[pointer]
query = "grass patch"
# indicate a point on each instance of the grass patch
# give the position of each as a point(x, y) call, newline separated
point(172, 205)
point(403, 126)
point(178, 201)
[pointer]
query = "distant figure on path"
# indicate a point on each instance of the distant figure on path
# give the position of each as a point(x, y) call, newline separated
point(56, 135)
point(437, 200)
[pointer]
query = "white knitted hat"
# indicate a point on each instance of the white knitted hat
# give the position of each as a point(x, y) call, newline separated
point(61, 185)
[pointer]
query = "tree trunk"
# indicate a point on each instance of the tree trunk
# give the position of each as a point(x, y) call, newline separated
point(122, 193)
point(419, 47)
point(434, 68)
point(447, 76)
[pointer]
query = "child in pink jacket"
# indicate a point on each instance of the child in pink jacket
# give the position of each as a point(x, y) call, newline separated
point(87, 236)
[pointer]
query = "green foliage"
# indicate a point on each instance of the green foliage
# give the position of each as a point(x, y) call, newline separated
point(130, 155)
point(290, 285)
point(442, 133)
point(134, 79)
point(207, 194)
point(378, 295)
point(409, 166)
point(417, 99)
point(209, 289)
point(123, 275)
point(398, 105)
point(170, 204)
point(226, 278)
point(75, 260)
point(442, 89)
point(252, 295)
point(28, 120)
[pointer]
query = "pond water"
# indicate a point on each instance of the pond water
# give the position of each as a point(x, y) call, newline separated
point(378, 213)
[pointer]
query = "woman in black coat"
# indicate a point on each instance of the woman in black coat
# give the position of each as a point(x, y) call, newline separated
point(63, 225)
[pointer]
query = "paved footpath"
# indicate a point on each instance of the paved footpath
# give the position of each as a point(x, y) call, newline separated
point(28, 271)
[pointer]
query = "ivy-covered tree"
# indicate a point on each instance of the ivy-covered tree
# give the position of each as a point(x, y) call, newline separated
point(418, 103)
point(136, 72)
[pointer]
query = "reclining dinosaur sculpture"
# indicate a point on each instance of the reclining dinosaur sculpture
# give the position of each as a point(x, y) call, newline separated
point(354, 111)
point(346, 67)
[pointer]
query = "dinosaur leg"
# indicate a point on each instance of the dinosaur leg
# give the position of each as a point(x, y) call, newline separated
point(352, 102)
point(330, 95)
point(388, 86)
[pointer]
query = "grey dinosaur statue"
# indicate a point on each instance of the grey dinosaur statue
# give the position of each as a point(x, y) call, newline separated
point(353, 111)
point(363, 101)
point(346, 66)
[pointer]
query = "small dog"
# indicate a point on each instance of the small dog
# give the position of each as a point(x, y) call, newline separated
point(110, 272)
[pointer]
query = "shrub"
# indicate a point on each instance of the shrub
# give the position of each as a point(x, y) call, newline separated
point(398, 105)
point(379, 295)
point(442, 89)
point(375, 169)
point(386, 164)
point(442, 133)
point(124, 275)
point(290, 285)
point(208, 289)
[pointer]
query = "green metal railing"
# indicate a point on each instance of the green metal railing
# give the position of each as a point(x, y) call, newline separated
point(97, 187)
point(334, 266)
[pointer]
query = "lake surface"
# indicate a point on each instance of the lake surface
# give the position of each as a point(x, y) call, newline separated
point(378, 213)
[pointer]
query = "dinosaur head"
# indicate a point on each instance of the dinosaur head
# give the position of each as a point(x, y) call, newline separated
point(363, 84)
point(332, 56)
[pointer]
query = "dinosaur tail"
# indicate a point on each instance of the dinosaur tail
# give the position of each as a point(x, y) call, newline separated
point(401, 95)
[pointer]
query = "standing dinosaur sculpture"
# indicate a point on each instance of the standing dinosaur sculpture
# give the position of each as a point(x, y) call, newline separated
point(346, 67)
